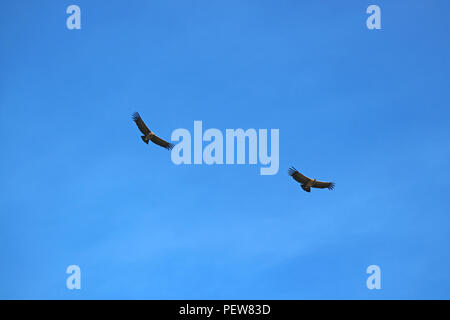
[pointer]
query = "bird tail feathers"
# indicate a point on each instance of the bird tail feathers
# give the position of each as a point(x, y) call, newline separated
point(307, 189)
point(144, 139)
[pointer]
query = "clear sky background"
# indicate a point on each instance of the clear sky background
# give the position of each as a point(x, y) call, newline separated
point(366, 109)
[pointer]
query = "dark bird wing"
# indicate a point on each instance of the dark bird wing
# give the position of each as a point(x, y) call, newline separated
point(160, 142)
point(298, 176)
point(323, 185)
point(140, 123)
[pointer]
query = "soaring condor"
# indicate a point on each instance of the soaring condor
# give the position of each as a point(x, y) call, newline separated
point(307, 183)
point(149, 135)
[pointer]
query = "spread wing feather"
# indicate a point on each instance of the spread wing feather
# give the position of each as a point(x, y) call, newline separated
point(160, 142)
point(323, 185)
point(140, 124)
point(298, 176)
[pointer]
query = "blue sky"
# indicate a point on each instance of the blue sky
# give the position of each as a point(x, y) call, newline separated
point(366, 109)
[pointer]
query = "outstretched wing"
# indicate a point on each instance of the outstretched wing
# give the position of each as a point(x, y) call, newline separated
point(298, 176)
point(140, 123)
point(160, 142)
point(323, 185)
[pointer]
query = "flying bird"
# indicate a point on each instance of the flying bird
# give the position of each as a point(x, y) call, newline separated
point(308, 183)
point(149, 135)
